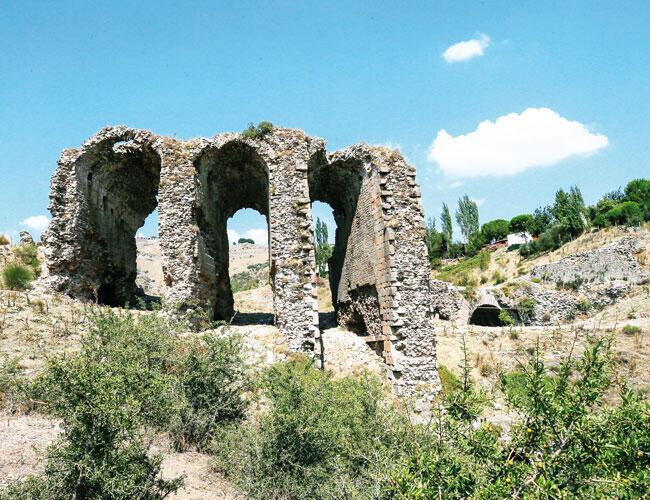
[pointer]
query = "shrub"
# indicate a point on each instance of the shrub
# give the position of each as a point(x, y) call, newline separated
point(583, 306)
point(246, 240)
point(28, 255)
point(212, 374)
point(505, 318)
point(568, 444)
point(526, 308)
point(16, 276)
point(106, 396)
point(256, 132)
point(318, 439)
point(631, 330)
point(448, 380)
point(4, 240)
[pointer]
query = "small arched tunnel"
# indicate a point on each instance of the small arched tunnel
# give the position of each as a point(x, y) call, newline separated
point(231, 177)
point(119, 184)
point(486, 315)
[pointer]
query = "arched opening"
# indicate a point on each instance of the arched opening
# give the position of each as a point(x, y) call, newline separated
point(486, 315)
point(248, 261)
point(119, 185)
point(149, 262)
point(324, 229)
point(337, 186)
point(231, 177)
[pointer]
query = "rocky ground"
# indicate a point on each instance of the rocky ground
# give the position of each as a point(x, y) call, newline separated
point(34, 326)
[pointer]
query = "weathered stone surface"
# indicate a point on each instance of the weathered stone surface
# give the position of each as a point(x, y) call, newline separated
point(103, 191)
point(613, 262)
point(25, 238)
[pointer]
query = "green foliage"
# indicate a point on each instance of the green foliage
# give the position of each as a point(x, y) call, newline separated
point(457, 273)
point(256, 132)
point(495, 230)
point(319, 437)
point(132, 376)
point(551, 239)
point(323, 248)
point(542, 220)
point(628, 213)
point(526, 308)
point(498, 278)
point(573, 284)
point(4, 240)
point(521, 223)
point(505, 318)
point(16, 276)
point(8, 374)
point(105, 396)
point(631, 330)
point(27, 254)
point(246, 240)
point(638, 191)
point(568, 444)
point(211, 371)
point(569, 210)
point(437, 243)
point(467, 217)
point(448, 380)
point(445, 223)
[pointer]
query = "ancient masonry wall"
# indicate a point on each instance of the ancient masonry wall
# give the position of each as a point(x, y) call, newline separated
point(103, 191)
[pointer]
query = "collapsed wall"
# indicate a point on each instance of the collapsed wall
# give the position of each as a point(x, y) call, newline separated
point(103, 191)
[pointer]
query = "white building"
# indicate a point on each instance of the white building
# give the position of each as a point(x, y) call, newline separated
point(519, 238)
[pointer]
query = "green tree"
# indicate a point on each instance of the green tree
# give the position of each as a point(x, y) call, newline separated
point(495, 230)
point(628, 213)
point(521, 223)
point(542, 220)
point(467, 217)
point(436, 241)
point(323, 248)
point(638, 190)
point(569, 210)
point(445, 222)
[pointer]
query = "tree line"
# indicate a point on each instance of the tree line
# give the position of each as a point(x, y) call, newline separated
point(551, 225)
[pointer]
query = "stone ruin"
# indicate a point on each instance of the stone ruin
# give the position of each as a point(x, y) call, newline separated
point(103, 191)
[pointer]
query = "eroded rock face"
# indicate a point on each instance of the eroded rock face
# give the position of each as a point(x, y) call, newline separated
point(103, 191)
point(25, 238)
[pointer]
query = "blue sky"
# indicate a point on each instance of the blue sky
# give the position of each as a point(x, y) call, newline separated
point(345, 71)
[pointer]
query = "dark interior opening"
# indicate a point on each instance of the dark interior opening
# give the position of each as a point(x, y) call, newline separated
point(485, 315)
point(120, 182)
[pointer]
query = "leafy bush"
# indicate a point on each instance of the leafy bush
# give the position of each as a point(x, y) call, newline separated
point(212, 374)
point(498, 278)
point(255, 132)
point(319, 437)
point(16, 276)
point(106, 396)
point(132, 376)
point(567, 445)
point(27, 254)
point(4, 240)
point(526, 308)
point(448, 380)
point(246, 240)
point(505, 318)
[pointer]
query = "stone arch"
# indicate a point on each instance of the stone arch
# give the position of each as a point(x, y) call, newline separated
point(230, 177)
point(114, 179)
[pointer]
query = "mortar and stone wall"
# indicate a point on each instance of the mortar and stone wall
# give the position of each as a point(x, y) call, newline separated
point(103, 191)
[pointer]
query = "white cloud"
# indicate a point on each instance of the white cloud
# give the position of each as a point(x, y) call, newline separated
point(259, 236)
point(463, 51)
point(233, 236)
point(538, 137)
point(478, 201)
point(450, 185)
point(36, 222)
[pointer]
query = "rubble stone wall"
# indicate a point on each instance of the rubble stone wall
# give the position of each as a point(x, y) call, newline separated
point(103, 191)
